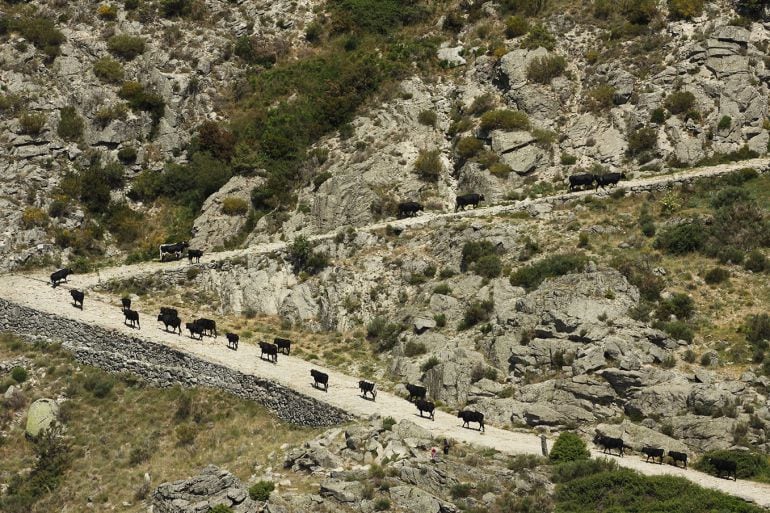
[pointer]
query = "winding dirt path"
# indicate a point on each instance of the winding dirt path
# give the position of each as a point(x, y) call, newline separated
point(343, 391)
point(426, 218)
point(35, 292)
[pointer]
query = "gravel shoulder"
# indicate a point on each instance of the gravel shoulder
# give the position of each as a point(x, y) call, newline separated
point(343, 391)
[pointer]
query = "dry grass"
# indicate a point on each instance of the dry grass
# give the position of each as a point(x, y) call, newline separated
point(107, 433)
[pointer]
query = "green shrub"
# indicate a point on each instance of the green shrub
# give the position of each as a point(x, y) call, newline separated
point(677, 330)
point(516, 26)
point(476, 312)
point(304, 259)
point(685, 9)
point(752, 9)
point(640, 12)
point(32, 123)
point(414, 349)
point(19, 374)
point(482, 104)
point(70, 124)
point(428, 165)
point(468, 147)
point(126, 46)
point(568, 447)
point(544, 69)
point(440, 320)
point(571, 470)
point(427, 118)
point(382, 504)
point(232, 206)
point(130, 5)
point(443, 289)
point(374, 16)
point(261, 491)
point(567, 159)
point(757, 330)
point(39, 31)
point(680, 305)
point(680, 102)
point(750, 465)
point(173, 8)
point(99, 383)
point(642, 140)
point(488, 266)
point(221, 508)
point(382, 333)
point(127, 155)
point(601, 98)
point(140, 99)
point(258, 51)
point(716, 275)
point(626, 490)
point(755, 261)
point(724, 123)
point(503, 119)
point(728, 196)
point(539, 36)
point(658, 116)
point(473, 251)
point(531, 276)
point(461, 490)
point(429, 364)
point(681, 239)
point(109, 70)
point(388, 423)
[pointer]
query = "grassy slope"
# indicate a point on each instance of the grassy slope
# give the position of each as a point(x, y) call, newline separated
point(236, 434)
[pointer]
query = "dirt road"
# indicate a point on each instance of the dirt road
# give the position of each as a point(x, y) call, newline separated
point(294, 373)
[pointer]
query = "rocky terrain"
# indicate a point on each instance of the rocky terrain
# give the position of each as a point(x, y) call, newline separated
point(288, 132)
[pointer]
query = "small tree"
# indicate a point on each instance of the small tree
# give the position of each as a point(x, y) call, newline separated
point(568, 447)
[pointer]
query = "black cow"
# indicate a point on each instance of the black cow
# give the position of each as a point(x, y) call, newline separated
point(472, 416)
point(607, 443)
point(60, 275)
point(126, 302)
point(171, 320)
point(164, 310)
point(172, 249)
point(271, 350)
point(283, 344)
point(409, 209)
point(468, 199)
point(678, 456)
point(653, 452)
point(582, 180)
point(609, 179)
point(320, 378)
point(367, 387)
point(194, 329)
point(207, 325)
point(195, 254)
point(427, 406)
point(722, 465)
point(415, 392)
point(133, 316)
point(232, 340)
point(77, 297)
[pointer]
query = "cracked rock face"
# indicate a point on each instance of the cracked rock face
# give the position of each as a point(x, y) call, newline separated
point(198, 494)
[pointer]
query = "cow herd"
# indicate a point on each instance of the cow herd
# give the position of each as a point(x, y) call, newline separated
point(608, 444)
point(582, 180)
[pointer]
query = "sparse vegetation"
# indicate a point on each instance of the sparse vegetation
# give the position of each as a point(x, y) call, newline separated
point(428, 165)
point(70, 124)
point(109, 70)
point(544, 69)
point(126, 46)
point(531, 276)
point(504, 119)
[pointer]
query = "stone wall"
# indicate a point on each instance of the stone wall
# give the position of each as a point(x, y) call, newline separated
point(163, 366)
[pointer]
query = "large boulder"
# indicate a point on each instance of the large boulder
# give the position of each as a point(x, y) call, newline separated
point(214, 226)
point(211, 487)
point(41, 414)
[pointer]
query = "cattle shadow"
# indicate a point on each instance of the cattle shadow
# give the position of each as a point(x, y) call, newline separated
point(319, 387)
point(470, 428)
point(367, 398)
point(268, 359)
point(79, 307)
